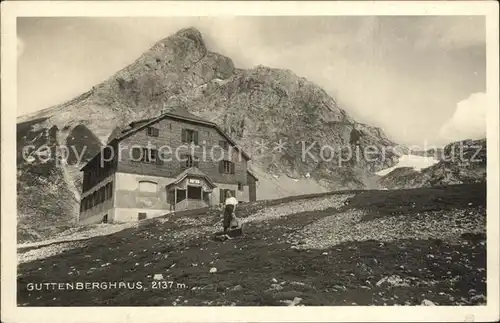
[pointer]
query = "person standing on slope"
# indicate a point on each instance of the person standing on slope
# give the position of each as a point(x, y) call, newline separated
point(230, 221)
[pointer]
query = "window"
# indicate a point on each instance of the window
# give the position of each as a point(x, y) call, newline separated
point(100, 195)
point(93, 199)
point(189, 161)
point(189, 136)
point(194, 192)
point(142, 215)
point(147, 186)
point(164, 156)
point(222, 194)
point(240, 186)
point(226, 167)
point(110, 189)
point(107, 152)
point(86, 180)
point(181, 195)
point(223, 144)
point(136, 154)
point(153, 132)
point(149, 156)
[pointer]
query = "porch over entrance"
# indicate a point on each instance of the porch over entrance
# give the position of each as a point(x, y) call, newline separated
point(191, 189)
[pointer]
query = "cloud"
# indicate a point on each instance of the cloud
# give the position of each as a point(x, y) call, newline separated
point(20, 47)
point(468, 121)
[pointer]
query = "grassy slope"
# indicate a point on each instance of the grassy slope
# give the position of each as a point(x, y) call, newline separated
point(442, 271)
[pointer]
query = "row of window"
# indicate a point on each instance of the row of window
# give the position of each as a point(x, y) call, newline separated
point(96, 173)
point(96, 198)
point(151, 156)
point(187, 136)
point(145, 155)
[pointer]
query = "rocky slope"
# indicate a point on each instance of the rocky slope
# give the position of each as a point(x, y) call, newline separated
point(460, 162)
point(251, 105)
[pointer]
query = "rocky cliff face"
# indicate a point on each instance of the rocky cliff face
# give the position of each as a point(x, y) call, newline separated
point(462, 162)
point(257, 107)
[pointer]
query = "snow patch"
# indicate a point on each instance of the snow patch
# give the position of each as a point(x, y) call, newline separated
point(416, 162)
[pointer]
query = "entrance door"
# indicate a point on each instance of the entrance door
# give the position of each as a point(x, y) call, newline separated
point(252, 191)
point(206, 197)
point(194, 192)
point(171, 198)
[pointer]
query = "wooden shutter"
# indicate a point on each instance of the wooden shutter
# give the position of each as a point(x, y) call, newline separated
point(183, 135)
point(154, 157)
point(183, 162)
point(232, 167)
point(233, 193)
point(85, 179)
point(221, 166)
point(136, 153)
point(222, 195)
point(159, 159)
point(195, 137)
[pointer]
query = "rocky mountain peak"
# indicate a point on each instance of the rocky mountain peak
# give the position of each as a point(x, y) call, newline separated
point(191, 33)
point(260, 104)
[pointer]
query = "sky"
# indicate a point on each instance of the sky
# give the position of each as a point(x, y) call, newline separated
point(421, 79)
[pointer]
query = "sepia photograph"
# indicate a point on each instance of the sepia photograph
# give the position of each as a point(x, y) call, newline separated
point(272, 160)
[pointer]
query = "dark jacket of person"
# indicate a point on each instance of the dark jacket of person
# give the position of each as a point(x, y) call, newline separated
point(228, 215)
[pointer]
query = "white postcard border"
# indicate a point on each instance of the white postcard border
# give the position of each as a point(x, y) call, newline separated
point(12, 313)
